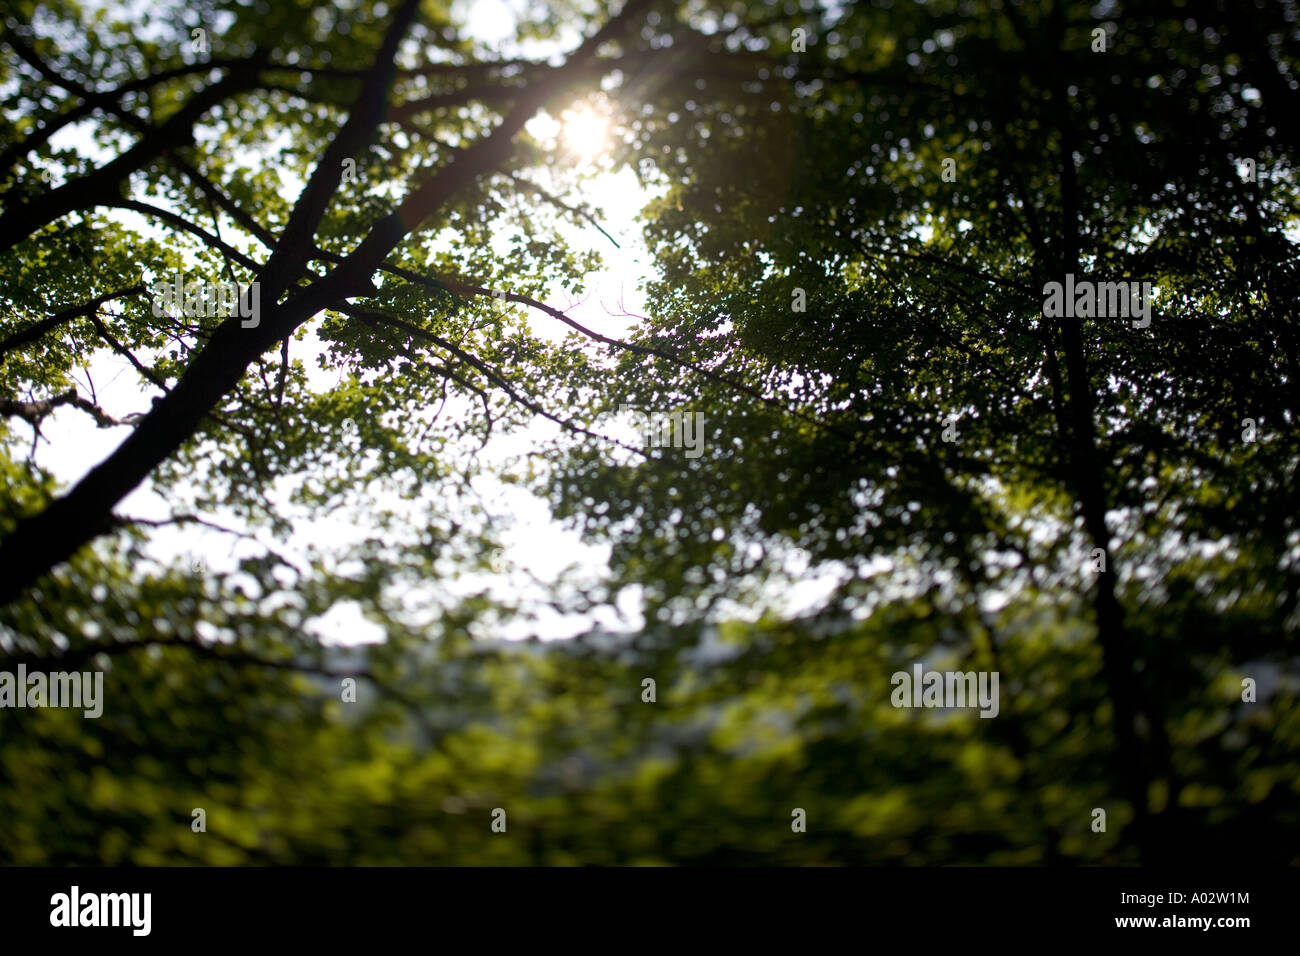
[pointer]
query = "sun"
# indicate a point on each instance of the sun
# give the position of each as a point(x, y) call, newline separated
point(585, 132)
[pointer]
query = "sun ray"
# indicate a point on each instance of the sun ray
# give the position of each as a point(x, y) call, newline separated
point(586, 132)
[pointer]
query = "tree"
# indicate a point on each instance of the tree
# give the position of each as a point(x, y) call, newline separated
point(37, 542)
point(928, 408)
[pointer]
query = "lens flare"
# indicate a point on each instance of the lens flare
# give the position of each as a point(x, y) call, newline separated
point(586, 132)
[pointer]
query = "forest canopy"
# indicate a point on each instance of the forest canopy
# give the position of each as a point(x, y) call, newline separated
point(967, 343)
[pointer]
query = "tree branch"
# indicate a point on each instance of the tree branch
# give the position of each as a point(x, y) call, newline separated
point(36, 412)
point(38, 329)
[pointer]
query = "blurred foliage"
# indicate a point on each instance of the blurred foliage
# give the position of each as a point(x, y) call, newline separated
point(820, 171)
